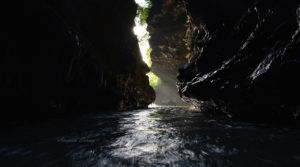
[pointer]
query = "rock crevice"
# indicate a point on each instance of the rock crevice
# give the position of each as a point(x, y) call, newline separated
point(167, 28)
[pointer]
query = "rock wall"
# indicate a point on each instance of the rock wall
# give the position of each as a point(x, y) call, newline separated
point(245, 58)
point(70, 55)
point(167, 28)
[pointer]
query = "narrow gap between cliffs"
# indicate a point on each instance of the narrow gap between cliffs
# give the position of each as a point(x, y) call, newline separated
point(140, 30)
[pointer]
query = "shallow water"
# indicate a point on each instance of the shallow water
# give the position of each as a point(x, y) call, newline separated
point(149, 137)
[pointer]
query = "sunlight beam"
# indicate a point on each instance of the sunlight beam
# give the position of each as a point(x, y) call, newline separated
point(143, 36)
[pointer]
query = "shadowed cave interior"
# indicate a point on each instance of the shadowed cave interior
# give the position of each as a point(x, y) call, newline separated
point(150, 83)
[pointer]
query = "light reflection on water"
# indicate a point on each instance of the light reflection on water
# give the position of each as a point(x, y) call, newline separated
point(144, 137)
point(151, 137)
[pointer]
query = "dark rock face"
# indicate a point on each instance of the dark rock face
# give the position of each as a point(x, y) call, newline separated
point(245, 58)
point(167, 28)
point(70, 55)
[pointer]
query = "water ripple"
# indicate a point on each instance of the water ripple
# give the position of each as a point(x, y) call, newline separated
point(150, 137)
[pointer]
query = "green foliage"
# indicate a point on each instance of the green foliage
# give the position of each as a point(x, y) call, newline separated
point(187, 38)
point(154, 80)
point(143, 13)
point(149, 63)
point(188, 20)
point(188, 55)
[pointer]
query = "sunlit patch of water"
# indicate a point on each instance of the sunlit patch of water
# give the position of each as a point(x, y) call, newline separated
point(144, 139)
point(161, 136)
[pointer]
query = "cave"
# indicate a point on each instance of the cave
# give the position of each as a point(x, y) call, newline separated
point(150, 83)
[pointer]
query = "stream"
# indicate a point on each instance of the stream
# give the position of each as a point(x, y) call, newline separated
point(163, 136)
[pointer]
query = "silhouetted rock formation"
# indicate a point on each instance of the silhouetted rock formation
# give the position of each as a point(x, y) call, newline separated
point(245, 58)
point(167, 28)
point(70, 55)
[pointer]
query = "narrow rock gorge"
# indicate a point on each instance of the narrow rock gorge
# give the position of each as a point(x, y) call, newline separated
point(238, 58)
point(167, 28)
point(89, 83)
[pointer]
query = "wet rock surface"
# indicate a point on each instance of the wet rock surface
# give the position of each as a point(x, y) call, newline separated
point(60, 56)
point(167, 28)
point(245, 58)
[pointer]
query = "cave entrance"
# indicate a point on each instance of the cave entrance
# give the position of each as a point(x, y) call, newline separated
point(160, 78)
point(140, 30)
